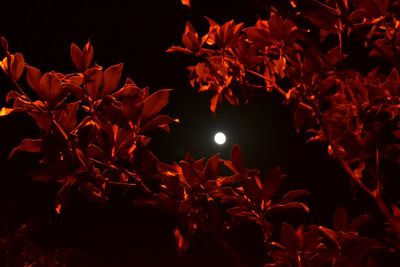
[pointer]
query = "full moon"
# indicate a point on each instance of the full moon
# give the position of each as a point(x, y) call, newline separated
point(220, 138)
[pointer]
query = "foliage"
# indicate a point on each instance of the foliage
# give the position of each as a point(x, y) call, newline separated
point(94, 131)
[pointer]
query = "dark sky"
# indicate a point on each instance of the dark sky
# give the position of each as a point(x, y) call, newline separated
point(137, 33)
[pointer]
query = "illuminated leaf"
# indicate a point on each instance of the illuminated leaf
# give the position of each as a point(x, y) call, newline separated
point(82, 59)
point(340, 220)
point(51, 87)
point(17, 66)
point(33, 77)
point(41, 119)
point(237, 158)
point(214, 103)
point(4, 43)
point(5, 111)
point(155, 103)
point(180, 241)
point(294, 195)
point(112, 75)
point(272, 183)
point(289, 238)
point(161, 121)
point(94, 82)
point(76, 55)
point(212, 167)
point(28, 145)
point(186, 2)
point(64, 192)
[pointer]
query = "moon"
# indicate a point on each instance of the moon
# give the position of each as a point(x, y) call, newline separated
point(220, 138)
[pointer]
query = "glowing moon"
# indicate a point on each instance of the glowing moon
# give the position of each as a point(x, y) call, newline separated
point(220, 138)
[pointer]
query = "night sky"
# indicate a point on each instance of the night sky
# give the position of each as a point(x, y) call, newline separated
point(138, 33)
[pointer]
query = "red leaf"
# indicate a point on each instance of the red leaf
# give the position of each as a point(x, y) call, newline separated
point(174, 49)
point(330, 234)
point(340, 220)
point(28, 145)
point(190, 38)
point(63, 193)
point(17, 66)
point(94, 82)
point(289, 238)
point(33, 77)
point(229, 180)
point(211, 169)
point(272, 183)
point(87, 54)
point(4, 43)
point(67, 118)
point(112, 76)
point(76, 56)
point(186, 2)
point(51, 87)
point(158, 122)
point(181, 244)
point(42, 121)
point(237, 159)
point(82, 59)
point(333, 56)
point(5, 111)
point(294, 195)
point(214, 103)
point(155, 103)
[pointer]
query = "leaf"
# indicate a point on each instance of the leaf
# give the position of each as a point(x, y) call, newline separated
point(289, 238)
point(282, 208)
point(12, 95)
point(51, 87)
point(161, 121)
point(260, 37)
point(212, 167)
point(241, 212)
point(214, 103)
point(17, 66)
point(280, 65)
point(82, 59)
point(272, 183)
point(63, 193)
point(41, 120)
point(330, 234)
point(155, 103)
point(33, 77)
point(181, 243)
point(28, 145)
point(229, 180)
point(83, 159)
point(294, 195)
point(4, 43)
point(358, 222)
point(76, 55)
point(176, 49)
point(190, 39)
point(112, 76)
point(5, 111)
point(68, 117)
point(359, 170)
point(186, 2)
point(396, 211)
point(252, 191)
point(340, 220)
point(94, 82)
point(87, 55)
point(237, 158)
point(333, 56)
